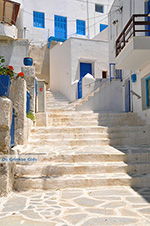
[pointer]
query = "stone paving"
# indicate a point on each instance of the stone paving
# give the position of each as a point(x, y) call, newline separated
point(84, 207)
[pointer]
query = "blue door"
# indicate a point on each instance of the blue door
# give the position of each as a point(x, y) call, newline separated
point(127, 97)
point(148, 92)
point(28, 97)
point(85, 68)
point(147, 11)
point(60, 27)
point(12, 130)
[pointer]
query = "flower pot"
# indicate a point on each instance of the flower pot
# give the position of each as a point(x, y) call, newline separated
point(28, 61)
point(4, 85)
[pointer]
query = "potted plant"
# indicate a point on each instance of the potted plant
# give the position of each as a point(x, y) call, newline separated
point(28, 61)
point(6, 74)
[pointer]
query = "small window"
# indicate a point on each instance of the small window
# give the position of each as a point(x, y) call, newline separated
point(80, 27)
point(104, 74)
point(103, 27)
point(38, 19)
point(60, 26)
point(99, 8)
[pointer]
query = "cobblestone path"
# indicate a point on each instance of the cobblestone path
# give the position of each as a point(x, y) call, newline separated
point(84, 207)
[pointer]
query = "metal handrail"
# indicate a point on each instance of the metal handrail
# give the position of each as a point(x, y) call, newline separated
point(97, 80)
point(134, 93)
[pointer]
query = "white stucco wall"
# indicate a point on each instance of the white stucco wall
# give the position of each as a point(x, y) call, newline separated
point(14, 52)
point(117, 19)
point(8, 32)
point(65, 63)
point(107, 99)
point(122, 17)
point(60, 68)
point(72, 9)
point(137, 104)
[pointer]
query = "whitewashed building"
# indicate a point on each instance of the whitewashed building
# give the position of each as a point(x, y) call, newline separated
point(40, 20)
point(77, 65)
point(80, 24)
point(129, 50)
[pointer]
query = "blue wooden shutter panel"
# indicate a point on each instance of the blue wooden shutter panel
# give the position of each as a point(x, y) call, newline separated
point(38, 19)
point(80, 24)
point(60, 27)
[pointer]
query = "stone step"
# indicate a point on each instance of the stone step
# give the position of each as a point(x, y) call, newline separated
point(82, 141)
point(72, 181)
point(57, 109)
point(72, 154)
point(59, 169)
point(138, 168)
point(83, 135)
point(62, 130)
point(69, 135)
point(91, 121)
point(72, 123)
point(73, 116)
point(69, 142)
point(41, 169)
point(92, 129)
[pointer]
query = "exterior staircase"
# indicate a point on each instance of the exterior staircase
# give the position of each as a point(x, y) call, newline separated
point(85, 149)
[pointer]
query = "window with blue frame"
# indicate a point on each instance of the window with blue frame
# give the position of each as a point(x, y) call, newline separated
point(103, 27)
point(148, 91)
point(60, 26)
point(38, 19)
point(80, 27)
point(99, 8)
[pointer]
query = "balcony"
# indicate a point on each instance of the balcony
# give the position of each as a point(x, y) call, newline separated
point(8, 17)
point(133, 44)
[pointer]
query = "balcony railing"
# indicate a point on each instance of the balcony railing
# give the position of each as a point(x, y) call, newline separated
point(134, 27)
point(8, 11)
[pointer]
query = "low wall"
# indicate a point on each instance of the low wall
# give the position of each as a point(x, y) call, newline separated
point(107, 98)
point(23, 125)
point(6, 169)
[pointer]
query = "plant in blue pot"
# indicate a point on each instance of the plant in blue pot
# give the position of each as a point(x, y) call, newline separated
point(28, 61)
point(6, 74)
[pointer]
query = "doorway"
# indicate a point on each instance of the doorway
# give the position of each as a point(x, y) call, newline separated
point(127, 96)
point(85, 68)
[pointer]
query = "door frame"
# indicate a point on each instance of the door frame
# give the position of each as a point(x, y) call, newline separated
point(128, 107)
point(80, 80)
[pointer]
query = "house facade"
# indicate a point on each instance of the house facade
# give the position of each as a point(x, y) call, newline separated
point(62, 19)
point(82, 62)
point(129, 51)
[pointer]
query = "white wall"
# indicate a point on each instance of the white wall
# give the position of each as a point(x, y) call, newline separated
point(65, 63)
point(14, 52)
point(107, 99)
point(60, 68)
point(118, 18)
point(129, 7)
point(72, 9)
point(137, 87)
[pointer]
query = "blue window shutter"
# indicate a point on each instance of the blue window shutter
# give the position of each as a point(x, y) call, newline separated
point(60, 23)
point(80, 27)
point(38, 19)
point(103, 27)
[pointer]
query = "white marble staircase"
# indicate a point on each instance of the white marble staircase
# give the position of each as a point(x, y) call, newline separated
point(85, 149)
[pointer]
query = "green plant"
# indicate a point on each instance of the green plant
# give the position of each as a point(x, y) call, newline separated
point(7, 69)
point(31, 116)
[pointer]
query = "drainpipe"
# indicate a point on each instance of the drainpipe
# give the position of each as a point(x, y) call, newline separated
point(88, 25)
